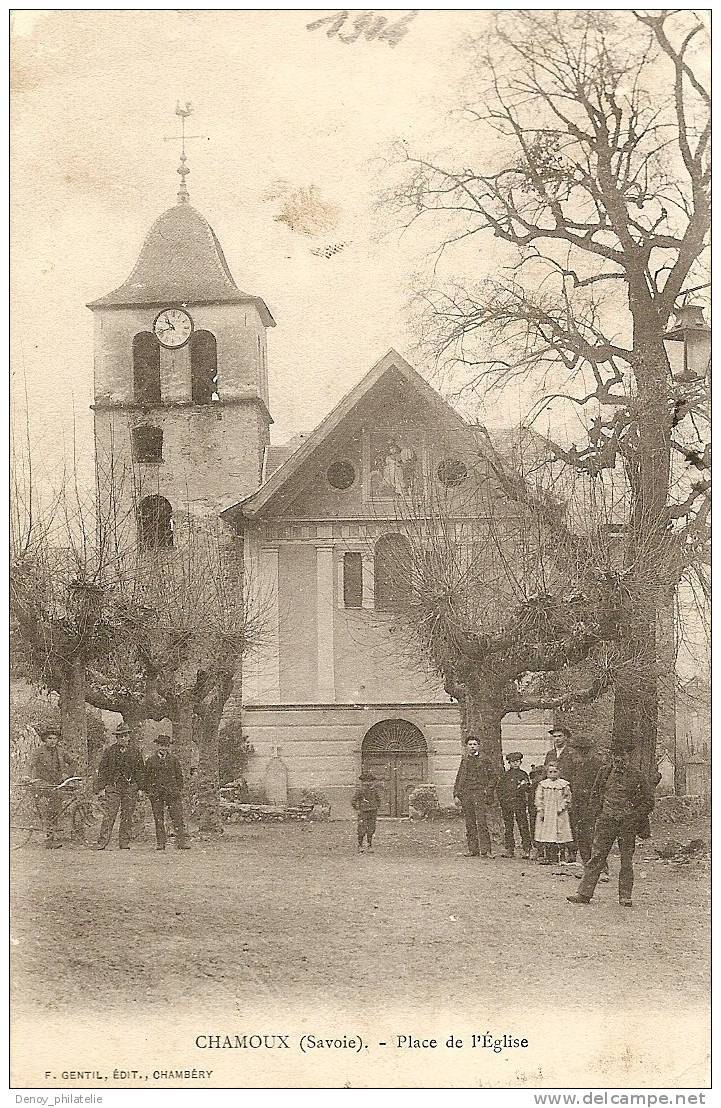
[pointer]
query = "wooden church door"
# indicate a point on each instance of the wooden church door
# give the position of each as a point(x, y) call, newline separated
point(394, 751)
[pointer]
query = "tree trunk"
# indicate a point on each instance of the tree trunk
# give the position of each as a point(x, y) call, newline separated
point(481, 714)
point(209, 774)
point(208, 764)
point(73, 720)
point(183, 736)
point(636, 690)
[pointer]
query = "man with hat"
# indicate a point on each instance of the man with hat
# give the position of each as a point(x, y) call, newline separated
point(366, 801)
point(121, 775)
point(474, 787)
point(585, 771)
point(50, 766)
point(513, 788)
point(624, 800)
point(164, 786)
point(561, 752)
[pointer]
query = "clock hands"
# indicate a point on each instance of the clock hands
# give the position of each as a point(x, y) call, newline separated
point(173, 334)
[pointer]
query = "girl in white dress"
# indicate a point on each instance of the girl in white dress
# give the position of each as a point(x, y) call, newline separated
point(553, 824)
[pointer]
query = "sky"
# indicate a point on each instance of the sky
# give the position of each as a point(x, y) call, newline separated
point(281, 109)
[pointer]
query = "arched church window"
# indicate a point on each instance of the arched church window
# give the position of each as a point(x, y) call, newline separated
point(155, 523)
point(146, 368)
point(204, 367)
point(147, 444)
point(392, 571)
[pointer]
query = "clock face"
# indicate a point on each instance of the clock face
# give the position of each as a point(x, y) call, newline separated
point(173, 327)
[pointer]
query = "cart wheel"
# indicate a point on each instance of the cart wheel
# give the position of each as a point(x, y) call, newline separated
point(87, 816)
point(26, 821)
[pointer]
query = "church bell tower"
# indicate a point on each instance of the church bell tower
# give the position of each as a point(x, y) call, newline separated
point(181, 376)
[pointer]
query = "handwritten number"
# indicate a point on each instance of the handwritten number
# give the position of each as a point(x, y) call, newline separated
point(393, 34)
point(366, 23)
point(337, 20)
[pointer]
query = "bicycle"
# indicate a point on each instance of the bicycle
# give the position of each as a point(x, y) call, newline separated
point(30, 800)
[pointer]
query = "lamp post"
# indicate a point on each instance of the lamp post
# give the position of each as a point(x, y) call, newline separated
point(688, 344)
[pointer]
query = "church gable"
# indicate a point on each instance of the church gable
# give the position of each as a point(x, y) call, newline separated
point(390, 433)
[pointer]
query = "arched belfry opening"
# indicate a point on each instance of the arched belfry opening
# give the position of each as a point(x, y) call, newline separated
point(395, 752)
point(146, 368)
point(155, 523)
point(204, 367)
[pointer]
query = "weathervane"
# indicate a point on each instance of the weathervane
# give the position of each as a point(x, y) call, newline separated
point(183, 170)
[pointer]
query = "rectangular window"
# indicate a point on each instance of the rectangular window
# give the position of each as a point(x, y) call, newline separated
point(353, 580)
point(147, 444)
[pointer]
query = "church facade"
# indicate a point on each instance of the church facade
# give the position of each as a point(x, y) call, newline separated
point(182, 403)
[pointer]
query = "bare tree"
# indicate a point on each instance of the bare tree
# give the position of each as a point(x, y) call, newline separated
point(181, 617)
point(153, 629)
point(594, 133)
point(58, 558)
point(515, 603)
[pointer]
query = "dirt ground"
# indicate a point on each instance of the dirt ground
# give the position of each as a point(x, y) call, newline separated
point(292, 910)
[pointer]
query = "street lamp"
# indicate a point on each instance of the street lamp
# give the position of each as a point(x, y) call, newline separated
point(688, 344)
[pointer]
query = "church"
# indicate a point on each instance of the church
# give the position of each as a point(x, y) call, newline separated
point(182, 399)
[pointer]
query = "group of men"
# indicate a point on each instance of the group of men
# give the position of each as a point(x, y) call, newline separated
point(609, 801)
point(122, 775)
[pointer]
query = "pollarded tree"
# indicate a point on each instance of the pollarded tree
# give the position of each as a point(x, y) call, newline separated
point(587, 158)
point(179, 619)
point(513, 594)
point(57, 565)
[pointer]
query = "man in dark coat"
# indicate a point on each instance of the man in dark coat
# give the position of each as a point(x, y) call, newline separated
point(474, 788)
point(366, 801)
point(164, 786)
point(513, 788)
point(561, 752)
point(624, 800)
point(585, 771)
point(121, 775)
point(50, 766)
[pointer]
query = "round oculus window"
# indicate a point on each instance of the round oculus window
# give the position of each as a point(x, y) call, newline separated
point(341, 475)
point(451, 472)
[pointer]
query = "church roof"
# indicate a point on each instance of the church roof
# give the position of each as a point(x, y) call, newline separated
point(181, 261)
point(390, 362)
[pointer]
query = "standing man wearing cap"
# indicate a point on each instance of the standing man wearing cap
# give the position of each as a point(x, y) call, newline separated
point(474, 788)
point(366, 801)
point(561, 752)
point(585, 771)
point(164, 786)
point(50, 766)
point(624, 799)
point(121, 775)
point(513, 789)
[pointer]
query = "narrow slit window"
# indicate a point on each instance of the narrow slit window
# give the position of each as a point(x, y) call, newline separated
point(353, 580)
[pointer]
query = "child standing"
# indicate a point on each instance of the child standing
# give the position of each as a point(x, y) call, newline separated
point(512, 790)
point(553, 825)
point(366, 802)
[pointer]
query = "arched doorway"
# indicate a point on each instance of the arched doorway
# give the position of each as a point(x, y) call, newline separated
point(395, 752)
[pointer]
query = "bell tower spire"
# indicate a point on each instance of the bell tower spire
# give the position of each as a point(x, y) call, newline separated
point(183, 169)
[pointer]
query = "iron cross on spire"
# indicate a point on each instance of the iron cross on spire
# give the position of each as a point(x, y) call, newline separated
point(183, 170)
